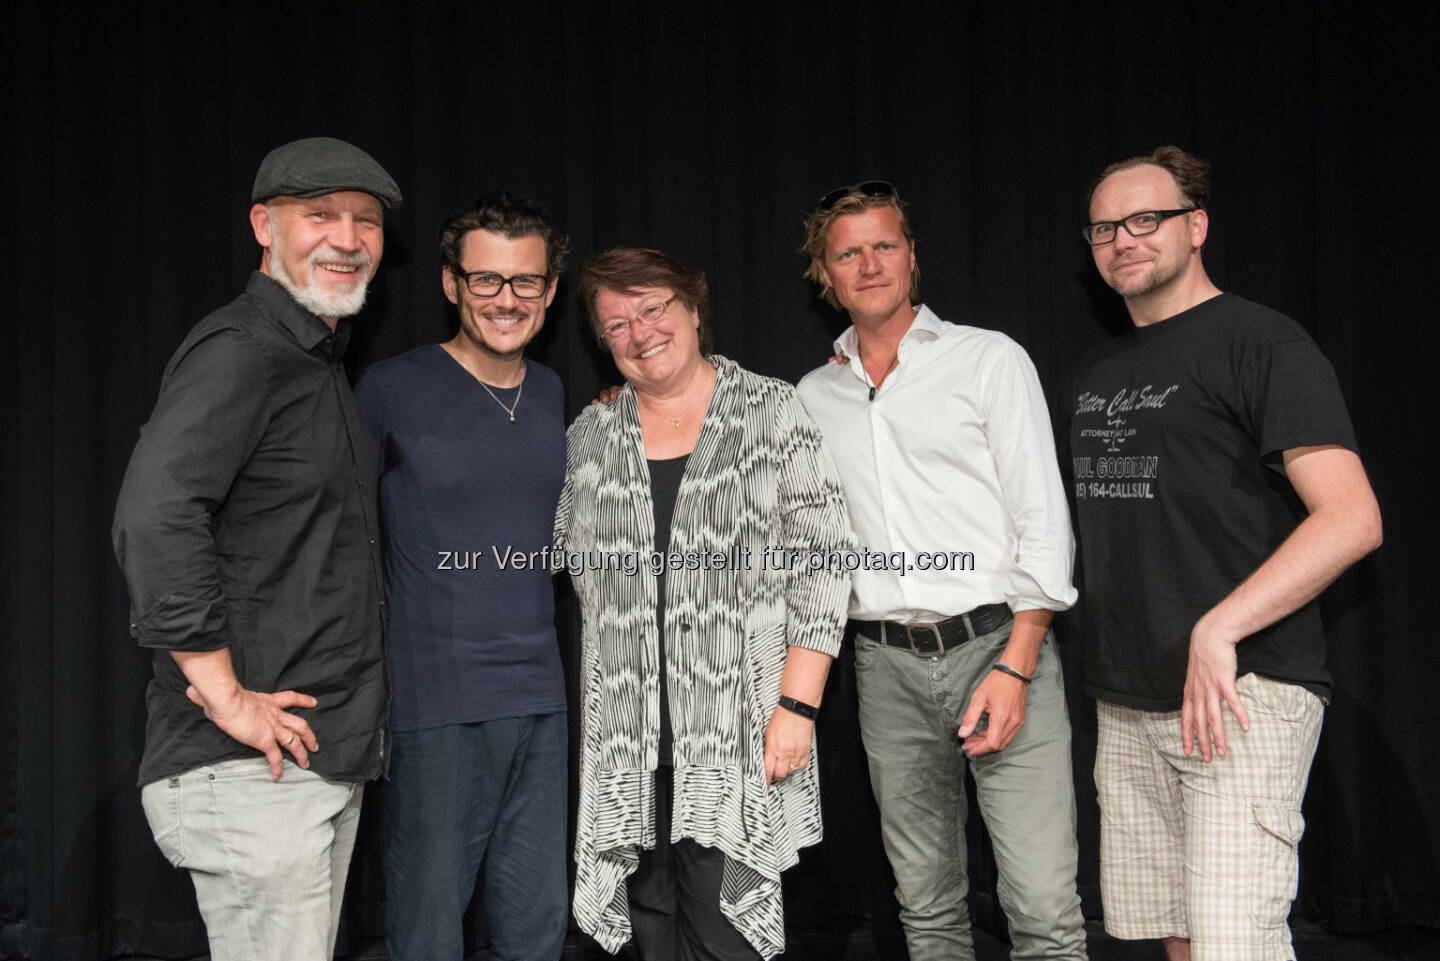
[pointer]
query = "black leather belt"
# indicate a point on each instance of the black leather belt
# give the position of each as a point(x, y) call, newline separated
point(934, 638)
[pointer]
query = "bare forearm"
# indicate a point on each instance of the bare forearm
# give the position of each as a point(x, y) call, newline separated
point(805, 673)
point(1343, 525)
point(211, 674)
point(1307, 562)
point(1028, 633)
point(1339, 531)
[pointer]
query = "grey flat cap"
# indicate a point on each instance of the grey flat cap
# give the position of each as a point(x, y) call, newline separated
point(322, 165)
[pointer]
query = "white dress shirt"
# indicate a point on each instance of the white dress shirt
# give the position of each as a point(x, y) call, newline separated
point(952, 453)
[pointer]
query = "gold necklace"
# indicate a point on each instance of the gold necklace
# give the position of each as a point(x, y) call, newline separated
point(674, 420)
point(687, 411)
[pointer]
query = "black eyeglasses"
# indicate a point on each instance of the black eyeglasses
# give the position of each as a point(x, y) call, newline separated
point(1136, 225)
point(870, 188)
point(483, 283)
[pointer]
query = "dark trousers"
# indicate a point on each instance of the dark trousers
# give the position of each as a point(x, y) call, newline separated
point(675, 896)
point(463, 793)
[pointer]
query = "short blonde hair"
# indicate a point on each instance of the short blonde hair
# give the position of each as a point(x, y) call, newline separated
point(817, 234)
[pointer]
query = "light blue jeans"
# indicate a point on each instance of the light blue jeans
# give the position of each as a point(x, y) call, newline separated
point(268, 858)
point(910, 711)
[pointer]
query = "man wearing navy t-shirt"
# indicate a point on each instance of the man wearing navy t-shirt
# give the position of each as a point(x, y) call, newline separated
point(1218, 492)
point(469, 439)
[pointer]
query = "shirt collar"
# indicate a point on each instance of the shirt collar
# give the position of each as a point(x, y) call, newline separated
point(309, 331)
point(924, 328)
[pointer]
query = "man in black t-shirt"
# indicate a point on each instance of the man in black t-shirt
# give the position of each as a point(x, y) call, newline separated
point(1217, 493)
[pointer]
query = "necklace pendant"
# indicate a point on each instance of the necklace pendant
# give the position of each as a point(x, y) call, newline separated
point(512, 418)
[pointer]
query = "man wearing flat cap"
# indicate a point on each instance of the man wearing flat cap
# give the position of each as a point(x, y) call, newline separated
point(246, 530)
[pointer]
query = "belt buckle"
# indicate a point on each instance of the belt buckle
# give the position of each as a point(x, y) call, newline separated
point(910, 630)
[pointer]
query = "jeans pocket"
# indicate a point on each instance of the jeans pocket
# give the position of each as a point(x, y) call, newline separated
point(1274, 863)
point(866, 651)
point(161, 801)
point(996, 640)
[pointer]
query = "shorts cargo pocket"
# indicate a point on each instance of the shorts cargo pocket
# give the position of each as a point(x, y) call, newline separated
point(1274, 874)
point(161, 800)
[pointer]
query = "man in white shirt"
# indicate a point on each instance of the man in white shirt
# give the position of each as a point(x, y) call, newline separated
point(942, 439)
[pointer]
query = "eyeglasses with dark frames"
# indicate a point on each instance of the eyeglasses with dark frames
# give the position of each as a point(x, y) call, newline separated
point(616, 328)
point(870, 188)
point(483, 283)
point(1136, 225)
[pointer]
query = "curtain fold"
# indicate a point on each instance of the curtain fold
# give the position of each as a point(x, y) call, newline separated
point(707, 132)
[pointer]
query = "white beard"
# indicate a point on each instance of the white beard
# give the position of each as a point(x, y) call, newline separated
point(332, 303)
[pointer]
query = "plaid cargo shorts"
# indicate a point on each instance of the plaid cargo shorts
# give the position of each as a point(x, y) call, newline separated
point(1206, 851)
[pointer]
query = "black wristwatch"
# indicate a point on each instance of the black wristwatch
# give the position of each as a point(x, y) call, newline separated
point(799, 707)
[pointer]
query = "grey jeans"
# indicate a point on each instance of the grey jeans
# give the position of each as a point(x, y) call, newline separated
point(910, 711)
point(268, 858)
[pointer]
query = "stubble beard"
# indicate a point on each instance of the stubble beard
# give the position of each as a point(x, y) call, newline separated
point(470, 327)
point(1157, 278)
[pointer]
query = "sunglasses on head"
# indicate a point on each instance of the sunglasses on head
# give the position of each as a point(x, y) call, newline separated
point(870, 188)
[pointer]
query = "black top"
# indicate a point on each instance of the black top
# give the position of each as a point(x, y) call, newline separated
point(665, 477)
point(247, 520)
point(1177, 432)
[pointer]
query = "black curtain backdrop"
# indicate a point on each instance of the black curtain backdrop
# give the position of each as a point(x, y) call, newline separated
point(707, 130)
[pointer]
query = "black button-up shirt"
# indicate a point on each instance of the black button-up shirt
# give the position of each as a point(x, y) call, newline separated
point(247, 520)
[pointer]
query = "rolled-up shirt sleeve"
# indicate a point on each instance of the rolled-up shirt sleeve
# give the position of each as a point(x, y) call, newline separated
point(1023, 447)
point(209, 418)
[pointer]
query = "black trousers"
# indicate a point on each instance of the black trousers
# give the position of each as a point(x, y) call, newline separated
point(675, 896)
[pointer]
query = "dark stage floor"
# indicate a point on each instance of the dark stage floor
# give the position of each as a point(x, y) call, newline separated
point(1312, 943)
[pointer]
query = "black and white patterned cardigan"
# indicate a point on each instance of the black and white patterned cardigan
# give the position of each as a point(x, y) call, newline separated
point(759, 478)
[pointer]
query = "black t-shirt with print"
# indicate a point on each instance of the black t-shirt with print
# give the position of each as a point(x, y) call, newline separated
point(1176, 434)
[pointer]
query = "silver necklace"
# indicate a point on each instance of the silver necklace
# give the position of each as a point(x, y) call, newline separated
point(511, 409)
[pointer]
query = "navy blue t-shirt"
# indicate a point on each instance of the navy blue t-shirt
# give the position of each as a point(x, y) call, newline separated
point(467, 503)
